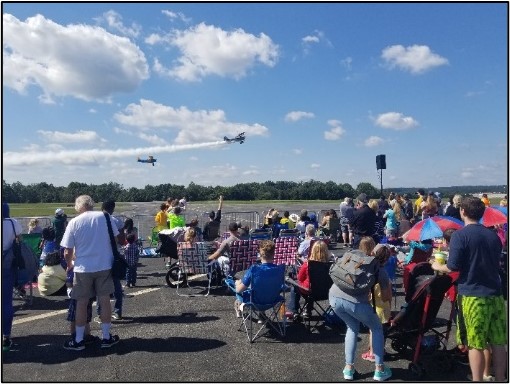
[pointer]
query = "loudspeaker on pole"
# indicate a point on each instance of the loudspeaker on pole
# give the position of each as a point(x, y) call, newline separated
point(380, 161)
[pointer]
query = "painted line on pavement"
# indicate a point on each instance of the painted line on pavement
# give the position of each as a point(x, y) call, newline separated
point(62, 311)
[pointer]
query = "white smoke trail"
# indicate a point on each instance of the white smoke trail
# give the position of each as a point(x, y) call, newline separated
point(91, 156)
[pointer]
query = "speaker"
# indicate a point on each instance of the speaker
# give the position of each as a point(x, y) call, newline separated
point(380, 160)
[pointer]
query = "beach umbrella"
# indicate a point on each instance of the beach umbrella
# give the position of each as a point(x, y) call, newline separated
point(432, 227)
point(492, 216)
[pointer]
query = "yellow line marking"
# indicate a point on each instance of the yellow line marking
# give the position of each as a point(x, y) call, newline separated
point(62, 311)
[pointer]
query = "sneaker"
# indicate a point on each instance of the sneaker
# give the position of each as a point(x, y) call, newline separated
point(107, 343)
point(368, 357)
point(485, 378)
point(349, 373)
point(72, 345)
point(6, 344)
point(97, 319)
point(116, 316)
point(90, 339)
point(382, 375)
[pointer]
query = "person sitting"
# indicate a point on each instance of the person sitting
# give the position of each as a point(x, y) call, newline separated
point(304, 219)
point(194, 224)
point(175, 218)
point(304, 246)
point(424, 246)
point(266, 250)
point(319, 253)
point(286, 220)
point(161, 217)
point(52, 279)
point(212, 228)
point(190, 237)
point(34, 227)
point(222, 255)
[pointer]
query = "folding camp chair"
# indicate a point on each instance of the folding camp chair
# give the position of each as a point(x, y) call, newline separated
point(243, 254)
point(320, 283)
point(195, 272)
point(261, 234)
point(264, 301)
point(33, 240)
point(285, 250)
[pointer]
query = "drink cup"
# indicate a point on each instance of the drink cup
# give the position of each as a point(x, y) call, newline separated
point(440, 258)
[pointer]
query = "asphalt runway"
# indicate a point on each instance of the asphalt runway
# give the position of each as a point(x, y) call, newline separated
point(169, 338)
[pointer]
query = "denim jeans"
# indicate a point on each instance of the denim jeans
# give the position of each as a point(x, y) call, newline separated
point(118, 294)
point(8, 276)
point(352, 314)
point(131, 274)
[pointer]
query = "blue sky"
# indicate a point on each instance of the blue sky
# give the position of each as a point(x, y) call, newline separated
point(319, 89)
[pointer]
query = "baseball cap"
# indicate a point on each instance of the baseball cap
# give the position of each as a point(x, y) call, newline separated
point(59, 211)
point(362, 198)
point(233, 227)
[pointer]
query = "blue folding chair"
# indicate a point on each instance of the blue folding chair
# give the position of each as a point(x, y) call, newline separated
point(263, 303)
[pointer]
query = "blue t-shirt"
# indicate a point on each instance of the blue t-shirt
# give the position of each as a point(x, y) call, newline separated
point(246, 280)
point(475, 252)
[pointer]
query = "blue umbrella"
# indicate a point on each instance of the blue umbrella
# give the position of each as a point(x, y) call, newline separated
point(424, 230)
point(501, 209)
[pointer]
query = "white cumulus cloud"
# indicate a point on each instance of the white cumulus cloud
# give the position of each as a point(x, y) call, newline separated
point(416, 59)
point(336, 132)
point(209, 50)
point(315, 165)
point(298, 115)
point(191, 126)
point(373, 141)
point(66, 60)
point(114, 22)
point(396, 121)
point(71, 137)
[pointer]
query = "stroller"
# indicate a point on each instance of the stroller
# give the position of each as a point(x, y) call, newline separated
point(413, 326)
point(167, 247)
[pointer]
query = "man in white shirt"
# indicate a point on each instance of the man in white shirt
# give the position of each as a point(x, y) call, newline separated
point(88, 250)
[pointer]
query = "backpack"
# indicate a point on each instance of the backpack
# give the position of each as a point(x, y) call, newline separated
point(21, 259)
point(355, 273)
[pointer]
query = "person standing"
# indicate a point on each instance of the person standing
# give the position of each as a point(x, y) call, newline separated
point(475, 251)
point(346, 212)
point(131, 254)
point(417, 205)
point(161, 217)
point(212, 228)
point(10, 230)
point(362, 221)
point(88, 250)
point(59, 223)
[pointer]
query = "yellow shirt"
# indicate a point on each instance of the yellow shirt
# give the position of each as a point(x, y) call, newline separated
point(417, 205)
point(161, 219)
point(382, 308)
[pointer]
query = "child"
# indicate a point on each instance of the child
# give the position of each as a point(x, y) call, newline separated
point(48, 245)
point(131, 254)
point(71, 317)
point(382, 297)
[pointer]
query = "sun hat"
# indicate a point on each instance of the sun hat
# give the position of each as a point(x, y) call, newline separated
point(294, 217)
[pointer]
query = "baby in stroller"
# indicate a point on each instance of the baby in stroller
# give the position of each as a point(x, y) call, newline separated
point(413, 326)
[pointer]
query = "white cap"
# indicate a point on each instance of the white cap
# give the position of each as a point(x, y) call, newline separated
point(59, 211)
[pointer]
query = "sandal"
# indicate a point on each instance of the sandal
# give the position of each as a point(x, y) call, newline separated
point(368, 357)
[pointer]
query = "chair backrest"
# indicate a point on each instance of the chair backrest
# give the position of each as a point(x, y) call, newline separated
point(261, 234)
point(193, 259)
point(320, 281)
point(243, 254)
point(289, 233)
point(33, 240)
point(277, 228)
point(267, 283)
point(286, 250)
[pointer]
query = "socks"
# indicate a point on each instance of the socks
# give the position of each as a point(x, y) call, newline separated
point(79, 333)
point(105, 328)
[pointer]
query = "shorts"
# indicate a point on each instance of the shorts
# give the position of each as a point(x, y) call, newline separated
point(92, 284)
point(344, 224)
point(71, 312)
point(481, 321)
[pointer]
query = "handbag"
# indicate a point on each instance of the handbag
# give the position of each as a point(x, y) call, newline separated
point(119, 265)
point(20, 259)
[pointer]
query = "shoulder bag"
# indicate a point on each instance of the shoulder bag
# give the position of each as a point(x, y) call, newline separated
point(119, 266)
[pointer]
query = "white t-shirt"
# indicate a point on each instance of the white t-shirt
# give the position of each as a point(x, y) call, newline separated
point(88, 234)
point(8, 235)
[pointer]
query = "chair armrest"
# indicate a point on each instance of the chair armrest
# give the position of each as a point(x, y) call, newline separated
point(295, 283)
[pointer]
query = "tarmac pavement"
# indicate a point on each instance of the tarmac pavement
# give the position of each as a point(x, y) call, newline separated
point(169, 338)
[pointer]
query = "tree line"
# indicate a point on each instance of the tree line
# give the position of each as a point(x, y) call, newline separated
point(268, 190)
